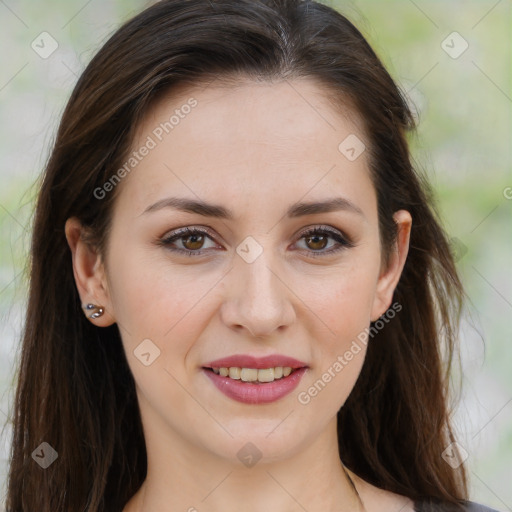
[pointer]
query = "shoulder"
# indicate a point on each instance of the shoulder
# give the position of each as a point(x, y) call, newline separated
point(471, 506)
point(467, 506)
point(376, 499)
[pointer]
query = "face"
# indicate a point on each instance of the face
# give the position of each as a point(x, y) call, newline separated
point(265, 271)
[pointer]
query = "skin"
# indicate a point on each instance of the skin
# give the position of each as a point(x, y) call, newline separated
point(256, 149)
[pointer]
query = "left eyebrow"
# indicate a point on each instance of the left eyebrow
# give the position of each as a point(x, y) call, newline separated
point(330, 205)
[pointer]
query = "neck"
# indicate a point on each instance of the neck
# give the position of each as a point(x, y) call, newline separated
point(313, 479)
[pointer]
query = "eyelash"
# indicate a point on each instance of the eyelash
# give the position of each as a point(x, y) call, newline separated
point(344, 243)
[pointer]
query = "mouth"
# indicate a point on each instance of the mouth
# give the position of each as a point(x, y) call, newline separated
point(255, 380)
point(253, 375)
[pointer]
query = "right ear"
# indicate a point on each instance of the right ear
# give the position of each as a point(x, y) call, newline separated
point(89, 272)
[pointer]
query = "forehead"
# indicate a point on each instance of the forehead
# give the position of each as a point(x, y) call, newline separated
point(281, 109)
point(226, 139)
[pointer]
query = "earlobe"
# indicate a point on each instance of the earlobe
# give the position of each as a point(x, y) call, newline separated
point(89, 274)
point(390, 276)
point(93, 311)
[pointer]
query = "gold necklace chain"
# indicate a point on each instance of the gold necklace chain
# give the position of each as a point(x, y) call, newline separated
point(361, 504)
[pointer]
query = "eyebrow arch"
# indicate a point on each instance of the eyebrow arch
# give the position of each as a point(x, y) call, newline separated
point(298, 209)
point(330, 205)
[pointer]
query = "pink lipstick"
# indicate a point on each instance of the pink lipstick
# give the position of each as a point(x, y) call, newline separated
point(255, 380)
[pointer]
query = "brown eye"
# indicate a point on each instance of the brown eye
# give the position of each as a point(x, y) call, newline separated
point(188, 241)
point(324, 241)
point(193, 242)
point(316, 242)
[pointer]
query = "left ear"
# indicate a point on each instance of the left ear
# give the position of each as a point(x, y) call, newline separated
point(389, 276)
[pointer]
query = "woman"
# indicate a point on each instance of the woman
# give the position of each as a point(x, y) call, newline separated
point(239, 291)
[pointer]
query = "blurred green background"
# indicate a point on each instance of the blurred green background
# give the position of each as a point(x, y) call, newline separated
point(463, 145)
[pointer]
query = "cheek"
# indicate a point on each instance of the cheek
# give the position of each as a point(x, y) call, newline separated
point(342, 304)
point(343, 310)
point(155, 300)
point(160, 311)
point(326, 392)
point(343, 299)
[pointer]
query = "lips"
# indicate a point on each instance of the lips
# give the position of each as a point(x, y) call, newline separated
point(235, 377)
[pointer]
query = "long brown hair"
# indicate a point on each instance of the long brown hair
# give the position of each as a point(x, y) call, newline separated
point(74, 387)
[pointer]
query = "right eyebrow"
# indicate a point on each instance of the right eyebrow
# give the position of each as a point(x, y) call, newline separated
point(192, 206)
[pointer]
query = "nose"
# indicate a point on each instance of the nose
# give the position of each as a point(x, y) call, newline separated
point(258, 299)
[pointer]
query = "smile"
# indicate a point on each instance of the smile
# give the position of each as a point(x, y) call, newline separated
point(255, 379)
point(254, 374)
point(249, 386)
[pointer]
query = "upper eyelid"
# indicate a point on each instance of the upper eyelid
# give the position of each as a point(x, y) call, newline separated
point(182, 232)
point(322, 227)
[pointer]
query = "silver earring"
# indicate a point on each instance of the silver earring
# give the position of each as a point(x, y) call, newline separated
point(97, 311)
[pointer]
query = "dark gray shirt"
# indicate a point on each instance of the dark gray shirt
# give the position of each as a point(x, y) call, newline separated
point(469, 506)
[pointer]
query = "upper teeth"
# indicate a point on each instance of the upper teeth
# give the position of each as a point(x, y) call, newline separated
point(254, 374)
